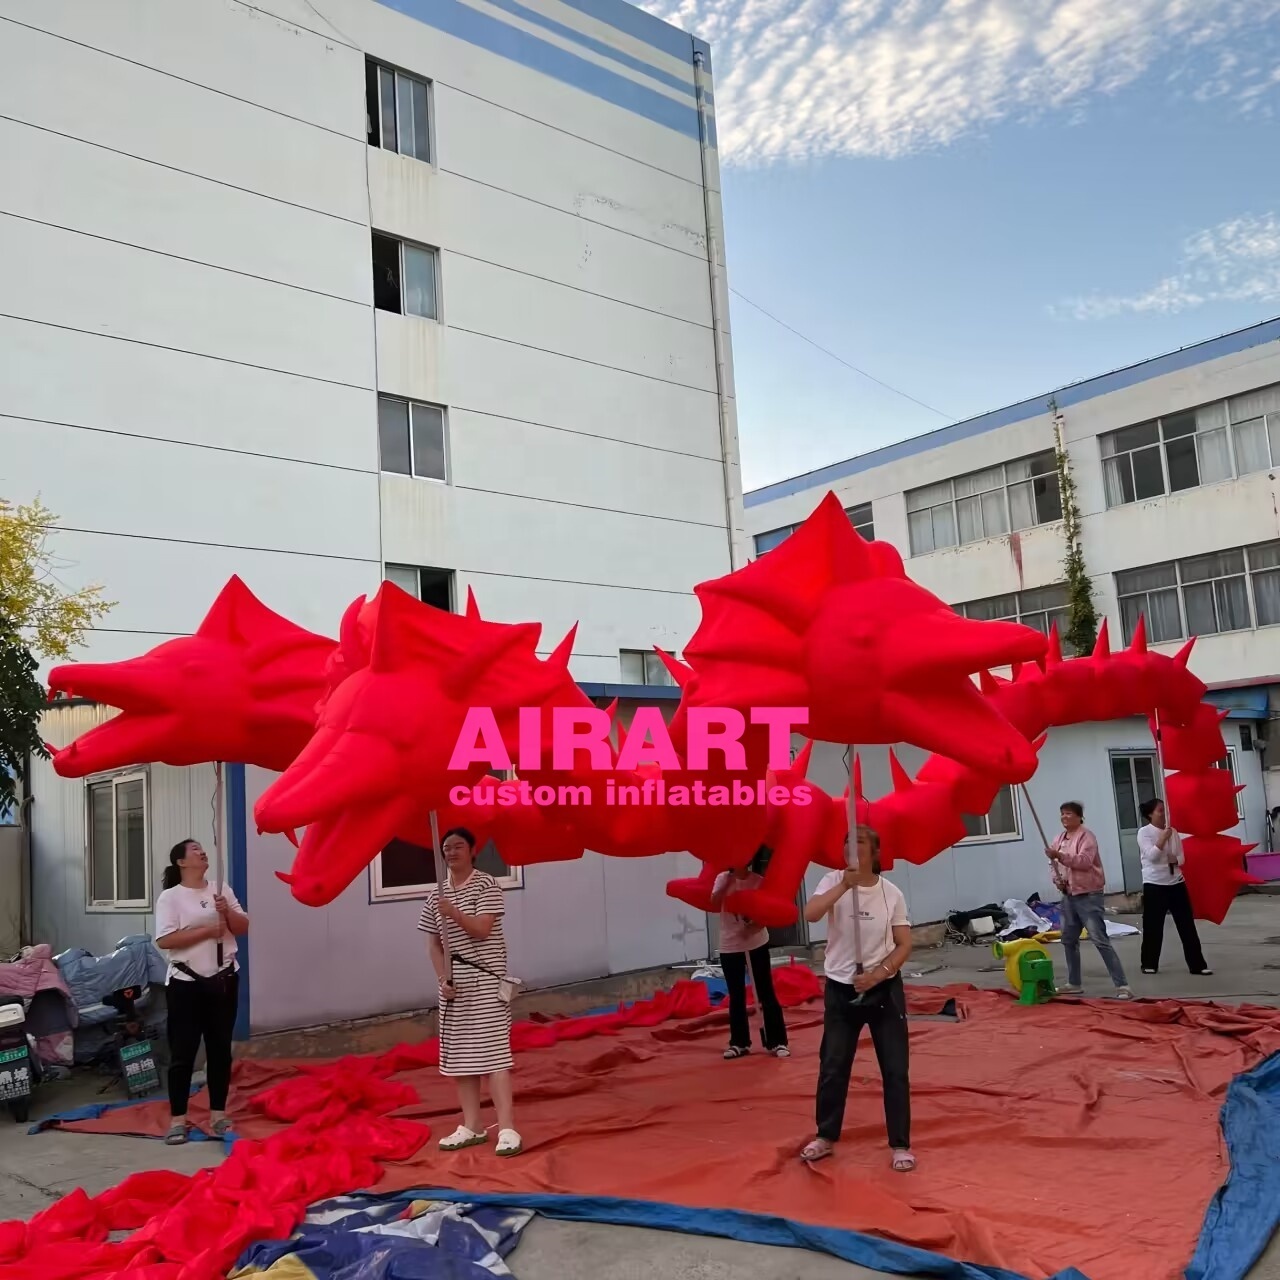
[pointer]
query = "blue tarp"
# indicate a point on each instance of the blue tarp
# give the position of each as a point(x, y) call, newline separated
point(402, 1237)
point(1244, 1214)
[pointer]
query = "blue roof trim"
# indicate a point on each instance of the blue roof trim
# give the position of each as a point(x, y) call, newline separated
point(684, 85)
point(487, 32)
point(633, 692)
point(1077, 393)
point(639, 24)
point(1249, 703)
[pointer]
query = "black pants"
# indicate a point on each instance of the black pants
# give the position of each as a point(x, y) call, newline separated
point(201, 1011)
point(734, 964)
point(1159, 900)
point(884, 1010)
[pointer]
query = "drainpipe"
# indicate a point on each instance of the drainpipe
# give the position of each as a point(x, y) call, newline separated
point(25, 866)
point(715, 270)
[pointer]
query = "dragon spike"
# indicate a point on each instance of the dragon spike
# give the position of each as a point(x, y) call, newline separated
point(901, 778)
point(1223, 713)
point(988, 684)
point(1102, 646)
point(801, 763)
point(564, 650)
point(1015, 671)
point(622, 734)
point(1139, 642)
point(473, 609)
point(285, 876)
point(1054, 653)
point(291, 836)
point(1038, 743)
point(857, 774)
point(1183, 656)
point(474, 666)
point(612, 710)
point(681, 673)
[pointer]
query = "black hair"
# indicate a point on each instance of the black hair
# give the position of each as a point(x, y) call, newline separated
point(1072, 806)
point(759, 863)
point(873, 838)
point(173, 873)
point(1148, 807)
point(463, 833)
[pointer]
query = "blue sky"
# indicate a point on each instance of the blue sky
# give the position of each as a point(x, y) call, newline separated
point(979, 200)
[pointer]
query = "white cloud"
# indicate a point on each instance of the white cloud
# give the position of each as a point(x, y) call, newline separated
point(799, 79)
point(1236, 261)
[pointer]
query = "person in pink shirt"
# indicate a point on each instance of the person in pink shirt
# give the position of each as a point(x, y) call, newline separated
point(741, 940)
point(1078, 873)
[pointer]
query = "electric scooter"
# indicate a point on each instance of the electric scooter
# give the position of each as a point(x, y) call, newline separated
point(18, 1069)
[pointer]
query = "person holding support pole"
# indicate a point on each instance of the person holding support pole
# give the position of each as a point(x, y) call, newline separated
point(1164, 892)
point(1078, 873)
point(462, 919)
point(868, 942)
point(197, 925)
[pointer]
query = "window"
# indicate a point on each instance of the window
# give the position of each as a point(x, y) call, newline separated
point(117, 842)
point(404, 870)
point(411, 438)
point(431, 586)
point(1038, 608)
point(1000, 822)
point(643, 666)
point(1195, 447)
point(1202, 596)
point(1264, 581)
point(404, 277)
point(1228, 762)
point(861, 519)
point(397, 111)
point(984, 504)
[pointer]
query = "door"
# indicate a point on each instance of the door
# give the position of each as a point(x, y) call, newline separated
point(795, 935)
point(1134, 779)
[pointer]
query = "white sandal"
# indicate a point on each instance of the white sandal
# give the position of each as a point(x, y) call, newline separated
point(509, 1143)
point(461, 1138)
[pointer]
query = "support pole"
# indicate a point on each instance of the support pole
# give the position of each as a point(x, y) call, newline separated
point(442, 876)
point(853, 858)
point(218, 884)
point(1035, 817)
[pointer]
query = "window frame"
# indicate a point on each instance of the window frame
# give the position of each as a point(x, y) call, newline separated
point(1021, 614)
point(377, 67)
point(1232, 764)
point(1270, 432)
point(379, 893)
point(419, 570)
point(436, 279)
point(446, 452)
point(646, 656)
point(952, 503)
point(868, 523)
point(1180, 587)
point(998, 837)
point(117, 779)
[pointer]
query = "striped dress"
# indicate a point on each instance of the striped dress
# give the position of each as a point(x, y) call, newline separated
point(475, 1026)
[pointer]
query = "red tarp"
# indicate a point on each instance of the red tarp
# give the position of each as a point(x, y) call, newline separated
point(1072, 1134)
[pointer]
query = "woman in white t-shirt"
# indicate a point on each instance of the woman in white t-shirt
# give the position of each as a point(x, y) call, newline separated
point(1164, 892)
point(863, 989)
point(743, 941)
point(194, 921)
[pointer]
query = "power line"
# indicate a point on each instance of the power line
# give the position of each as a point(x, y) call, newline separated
point(839, 359)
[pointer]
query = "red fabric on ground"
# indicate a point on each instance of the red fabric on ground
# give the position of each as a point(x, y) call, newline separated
point(1020, 1112)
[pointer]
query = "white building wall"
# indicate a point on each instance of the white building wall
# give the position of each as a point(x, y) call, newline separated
point(185, 256)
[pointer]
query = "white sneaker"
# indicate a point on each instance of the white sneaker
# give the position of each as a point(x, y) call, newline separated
point(782, 1052)
point(1071, 989)
point(1124, 993)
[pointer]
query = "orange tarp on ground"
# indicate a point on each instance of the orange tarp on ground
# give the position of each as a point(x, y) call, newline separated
point(1079, 1133)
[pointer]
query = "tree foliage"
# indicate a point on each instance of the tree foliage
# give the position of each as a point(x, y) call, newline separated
point(1082, 614)
point(39, 618)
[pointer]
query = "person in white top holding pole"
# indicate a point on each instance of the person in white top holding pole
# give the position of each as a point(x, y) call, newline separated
point(1164, 891)
point(868, 942)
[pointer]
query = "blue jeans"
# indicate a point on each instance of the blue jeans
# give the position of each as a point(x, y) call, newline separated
point(1084, 911)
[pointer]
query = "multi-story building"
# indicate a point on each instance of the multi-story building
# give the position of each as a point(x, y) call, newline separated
point(319, 292)
point(1174, 463)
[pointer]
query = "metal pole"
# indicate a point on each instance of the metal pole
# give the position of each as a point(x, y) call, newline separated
point(853, 861)
point(1163, 796)
point(442, 876)
point(217, 843)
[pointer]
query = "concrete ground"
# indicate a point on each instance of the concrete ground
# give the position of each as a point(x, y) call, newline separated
point(34, 1171)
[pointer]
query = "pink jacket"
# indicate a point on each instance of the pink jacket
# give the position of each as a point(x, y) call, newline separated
point(1081, 860)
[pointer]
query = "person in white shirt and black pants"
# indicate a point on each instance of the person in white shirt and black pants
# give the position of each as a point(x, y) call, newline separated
point(863, 989)
point(193, 920)
point(1164, 892)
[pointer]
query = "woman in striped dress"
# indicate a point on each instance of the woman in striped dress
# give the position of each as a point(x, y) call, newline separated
point(475, 1023)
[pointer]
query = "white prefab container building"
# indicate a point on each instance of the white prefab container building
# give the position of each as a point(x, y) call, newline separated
point(1174, 462)
point(321, 292)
